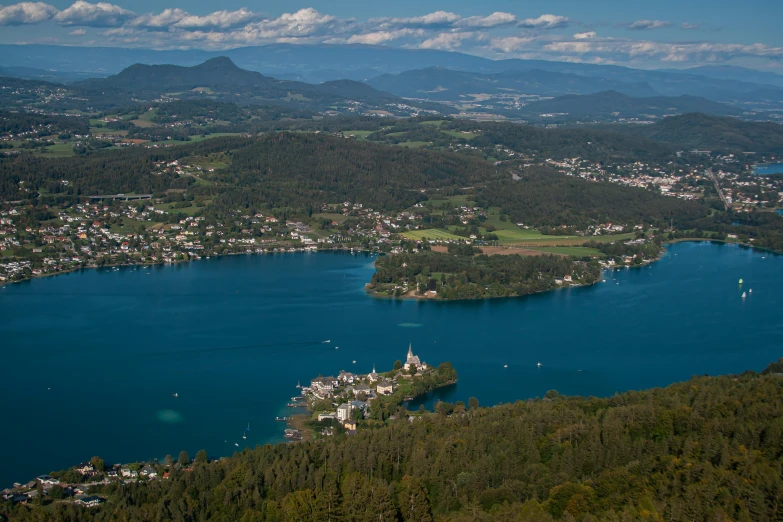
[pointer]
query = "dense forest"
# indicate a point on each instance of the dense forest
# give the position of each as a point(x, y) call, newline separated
point(714, 133)
point(708, 449)
point(459, 274)
point(545, 197)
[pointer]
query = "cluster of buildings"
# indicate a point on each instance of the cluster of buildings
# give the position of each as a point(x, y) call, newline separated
point(352, 394)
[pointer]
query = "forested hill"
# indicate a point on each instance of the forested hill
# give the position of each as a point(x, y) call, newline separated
point(715, 133)
point(708, 449)
point(546, 198)
point(302, 171)
point(221, 75)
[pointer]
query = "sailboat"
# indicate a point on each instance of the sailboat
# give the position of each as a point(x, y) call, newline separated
point(744, 295)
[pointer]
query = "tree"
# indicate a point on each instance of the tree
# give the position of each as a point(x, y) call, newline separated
point(201, 457)
point(473, 403)
point(98, 463)
point(184, 459)
point(413, 501)
point(397, 365)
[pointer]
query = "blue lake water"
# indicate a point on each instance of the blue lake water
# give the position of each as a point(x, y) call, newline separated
point(90, 360)
point(768, 168)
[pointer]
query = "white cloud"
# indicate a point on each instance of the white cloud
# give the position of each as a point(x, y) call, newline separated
point(646, 25)
point(165, 19)
point(379, 37)
point(496, 19)
point(511, 44)
point(26, 13)
point(493, 35)
point(446, 41)
point(218, 20)
point(545, 21)
point(101, 14)
point(441, 19)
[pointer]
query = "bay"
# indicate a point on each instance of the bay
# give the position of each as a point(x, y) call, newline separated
point(768, 168)
point(91, 359)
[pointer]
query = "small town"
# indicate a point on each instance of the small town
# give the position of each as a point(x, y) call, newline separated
point(350, 401)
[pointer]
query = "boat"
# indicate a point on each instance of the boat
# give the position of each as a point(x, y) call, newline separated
point(505, 366)
point(539, 365)
point(244, 435)
point(353, 362)
point(248, 427)
point(327, 341)
point(236, 444)
point(281, 419)
point(740, 281)
point(176, 395)
point(298, 385)
point(750, 291)
point(744, 295)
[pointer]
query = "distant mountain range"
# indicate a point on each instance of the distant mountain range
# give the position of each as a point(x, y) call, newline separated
point(319, 63)
point(438, 83)
point(612, 105)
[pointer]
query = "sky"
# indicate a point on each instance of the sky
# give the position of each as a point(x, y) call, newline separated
point(660, 34)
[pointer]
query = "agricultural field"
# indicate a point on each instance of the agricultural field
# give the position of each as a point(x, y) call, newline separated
point(360, 134)
point(432, 233)
point(569, 251)
point(337, 218)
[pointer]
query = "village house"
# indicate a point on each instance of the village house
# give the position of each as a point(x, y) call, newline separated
point(344, 412)
point(385, 388)
point(90, 501)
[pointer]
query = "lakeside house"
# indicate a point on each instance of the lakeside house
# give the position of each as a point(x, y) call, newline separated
point(90, 501)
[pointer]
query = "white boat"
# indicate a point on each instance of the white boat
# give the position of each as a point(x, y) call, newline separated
point(176, 395)
point(539, 365)
point(744, 295)
point(505, 366)
point(353, 362)
point(750, 291)
point(236, 444)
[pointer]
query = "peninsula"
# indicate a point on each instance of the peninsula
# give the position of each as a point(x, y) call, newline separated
point(353, 401)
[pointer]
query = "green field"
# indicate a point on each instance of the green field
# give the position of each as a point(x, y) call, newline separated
point(415, 144)
point(458, 134)
point(338, 218)
point(361, 134)
point(432, 233)
point(436, 123)
point(58, 150)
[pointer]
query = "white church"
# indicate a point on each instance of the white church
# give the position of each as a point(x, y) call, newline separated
point(412, 361)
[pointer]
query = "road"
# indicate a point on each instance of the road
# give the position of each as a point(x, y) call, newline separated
point(726, 203)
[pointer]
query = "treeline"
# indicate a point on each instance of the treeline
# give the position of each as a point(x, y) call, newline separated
point(461, 275)
point(544, 197)
point(586, 143)
point(704, 450)
point(714, 133)
point(16, 122)
point(306, 170)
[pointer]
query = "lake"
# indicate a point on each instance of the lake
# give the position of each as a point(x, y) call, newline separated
point(768, 168)
point(91, 359)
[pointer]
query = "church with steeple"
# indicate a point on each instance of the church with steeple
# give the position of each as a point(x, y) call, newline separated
point(412, 361)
